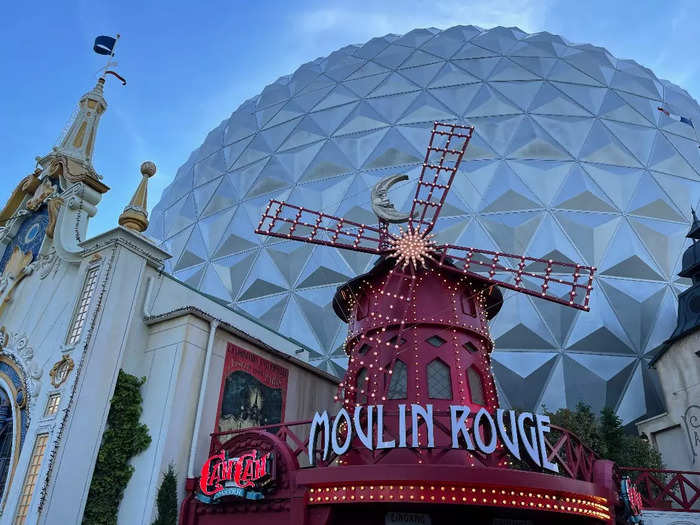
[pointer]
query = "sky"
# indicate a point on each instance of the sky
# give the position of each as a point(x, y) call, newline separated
point(189, 65)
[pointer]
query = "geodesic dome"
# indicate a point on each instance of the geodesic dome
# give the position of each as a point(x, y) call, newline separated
point(571, 159)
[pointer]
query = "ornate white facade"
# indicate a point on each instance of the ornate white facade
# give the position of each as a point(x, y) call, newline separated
point(74, 311)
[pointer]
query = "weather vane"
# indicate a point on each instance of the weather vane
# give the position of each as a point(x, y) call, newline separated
point(104, 45)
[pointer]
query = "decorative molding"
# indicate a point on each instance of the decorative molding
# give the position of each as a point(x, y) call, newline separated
point(131, 240)
point(16, 345)
point(41, 195)
point(61, 370)
point(9, 230)
point(45, 264)
point(27, 186)
point(17, 268)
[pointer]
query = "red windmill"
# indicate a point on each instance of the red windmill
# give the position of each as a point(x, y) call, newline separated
point(418, 321)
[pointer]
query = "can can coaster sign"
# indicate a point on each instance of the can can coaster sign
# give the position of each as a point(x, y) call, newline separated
point(246, 476)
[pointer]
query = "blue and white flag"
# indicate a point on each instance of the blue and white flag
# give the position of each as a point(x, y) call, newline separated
point(676, 117)
point(104, 45)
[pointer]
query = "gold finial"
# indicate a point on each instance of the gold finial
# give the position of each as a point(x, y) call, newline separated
point(135, 215)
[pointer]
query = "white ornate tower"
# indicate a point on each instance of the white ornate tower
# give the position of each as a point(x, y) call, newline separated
point(80, 139)
point(48, 212)
point(69, 168)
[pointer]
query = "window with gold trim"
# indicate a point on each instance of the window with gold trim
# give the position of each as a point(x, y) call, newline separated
point(30, 478)
point(7, 438)
point(52, 404)
point(81, 309)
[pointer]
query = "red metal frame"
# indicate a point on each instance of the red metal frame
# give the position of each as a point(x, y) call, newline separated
point(670, 490)
point(341, 233)
point(426, 207)
point(470, 261)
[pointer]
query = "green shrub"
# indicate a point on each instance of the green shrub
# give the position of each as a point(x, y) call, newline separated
point(607, 437)
point(123, 438)
point(167, 499)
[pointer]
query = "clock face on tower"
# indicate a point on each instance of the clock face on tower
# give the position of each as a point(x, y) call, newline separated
point(29, 236)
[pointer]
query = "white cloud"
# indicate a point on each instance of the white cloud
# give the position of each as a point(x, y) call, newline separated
point(375, 19)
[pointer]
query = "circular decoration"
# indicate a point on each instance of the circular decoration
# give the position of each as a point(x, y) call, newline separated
point(632, 500)
point(32, 233)
point(29, 236)
point(60, 371)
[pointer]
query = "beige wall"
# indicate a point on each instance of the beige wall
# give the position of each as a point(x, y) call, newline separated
point(171, 355)
point(679, 372)
point(307, 391)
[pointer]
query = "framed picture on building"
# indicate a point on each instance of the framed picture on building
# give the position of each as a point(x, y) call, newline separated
point(253, 391)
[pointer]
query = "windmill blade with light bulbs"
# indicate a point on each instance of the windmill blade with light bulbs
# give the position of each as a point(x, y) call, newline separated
point(414, 246)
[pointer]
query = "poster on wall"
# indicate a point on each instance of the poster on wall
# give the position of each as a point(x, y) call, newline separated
point(253, 391)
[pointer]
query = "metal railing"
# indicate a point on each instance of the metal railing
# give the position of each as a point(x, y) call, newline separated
point(670, 490)
point(564, 448)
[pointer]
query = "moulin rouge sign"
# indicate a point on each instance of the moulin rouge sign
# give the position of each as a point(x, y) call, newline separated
point(523, 432)
point(246, 476)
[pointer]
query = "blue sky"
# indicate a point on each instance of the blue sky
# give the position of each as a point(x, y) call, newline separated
point(190, 64)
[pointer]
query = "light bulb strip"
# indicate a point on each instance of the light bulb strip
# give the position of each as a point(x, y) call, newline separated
point(463, 494)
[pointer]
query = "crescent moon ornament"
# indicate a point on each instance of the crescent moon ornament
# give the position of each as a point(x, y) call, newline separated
point(382, 206)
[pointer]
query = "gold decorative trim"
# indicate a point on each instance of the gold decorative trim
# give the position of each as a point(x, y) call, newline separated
point(15, 271)
point(73, 171)
point(61, 370)
point(27, 186)
point(42, 192)
point(78, 141)
point(16, 421)
point(54, 206)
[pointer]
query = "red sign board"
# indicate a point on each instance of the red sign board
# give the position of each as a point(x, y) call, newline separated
point(632, 500)
point(253, 391)
point(249, 472)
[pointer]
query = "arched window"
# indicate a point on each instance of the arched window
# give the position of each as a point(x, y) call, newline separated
point(476, 387)
point(468, 304)
point(6, 438)
point(13, 412)
point(439, 382)
point(361, 386)
point(362, 307)
point(398, 381)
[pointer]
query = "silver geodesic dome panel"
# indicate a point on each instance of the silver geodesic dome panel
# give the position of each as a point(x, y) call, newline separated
point(571, 159)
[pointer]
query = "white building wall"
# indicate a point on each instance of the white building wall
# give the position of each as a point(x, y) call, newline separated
point(174, 358)
point(163, 339)
point(672, 433)
point(96, 378)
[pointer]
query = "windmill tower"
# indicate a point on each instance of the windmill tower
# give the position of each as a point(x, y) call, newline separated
point(418, 321)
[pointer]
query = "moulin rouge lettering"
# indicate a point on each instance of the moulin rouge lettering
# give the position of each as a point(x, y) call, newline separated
point(482, 432)
point(247, 471)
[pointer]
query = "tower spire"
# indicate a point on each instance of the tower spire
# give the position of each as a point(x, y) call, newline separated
point(80, 139)
point(135, 214)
